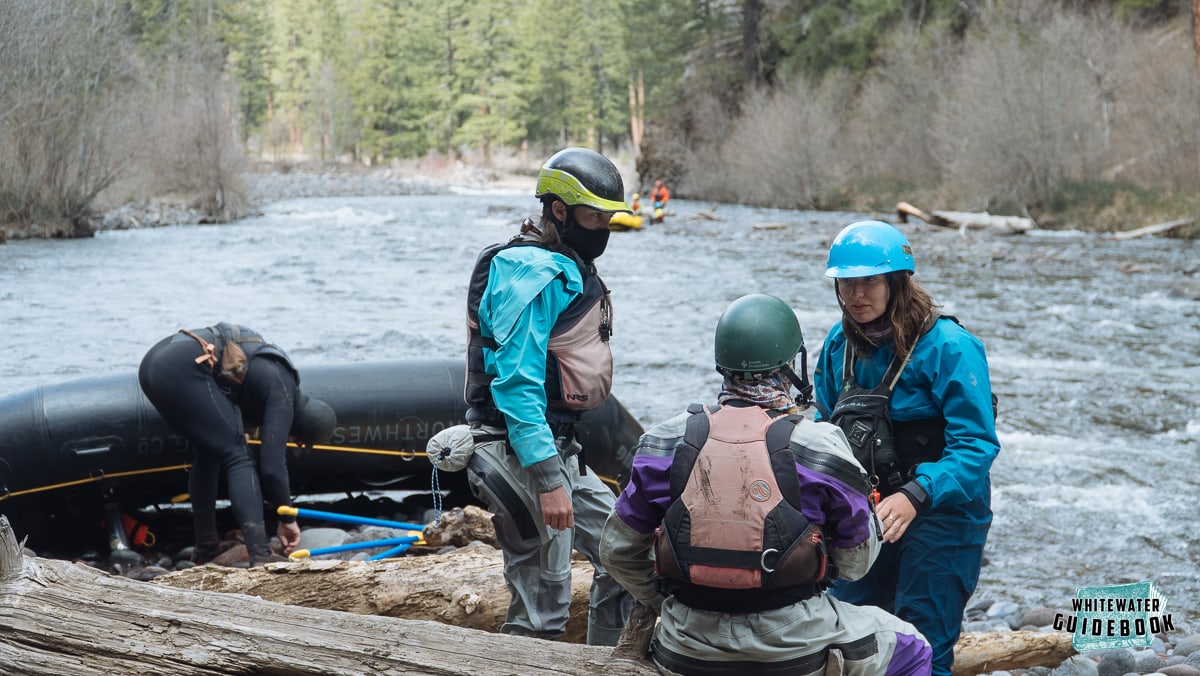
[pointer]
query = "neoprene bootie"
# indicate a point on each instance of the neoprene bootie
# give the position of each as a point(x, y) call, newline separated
point(258, 549)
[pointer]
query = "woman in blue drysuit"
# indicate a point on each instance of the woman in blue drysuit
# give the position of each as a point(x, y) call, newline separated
point(931, 467)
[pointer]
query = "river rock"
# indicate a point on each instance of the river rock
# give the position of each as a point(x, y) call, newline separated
point(1003, 609)
point(1187, 645)
point(1179, 670)
point(1116, 663)
point(1039, 617)
point(1185, 288)
point(316, 538)
point(1079, 665)
point(1147, 661)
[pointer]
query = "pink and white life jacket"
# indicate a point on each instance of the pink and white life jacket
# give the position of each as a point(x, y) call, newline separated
point(733, 537)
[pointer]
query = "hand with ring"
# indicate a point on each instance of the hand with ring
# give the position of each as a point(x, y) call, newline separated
point(897, 513)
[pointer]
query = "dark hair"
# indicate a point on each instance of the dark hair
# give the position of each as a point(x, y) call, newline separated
point(909, 308)
point(547, 232)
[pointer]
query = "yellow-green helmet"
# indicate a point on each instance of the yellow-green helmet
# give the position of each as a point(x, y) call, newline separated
point(579, 176)
point(756, 334)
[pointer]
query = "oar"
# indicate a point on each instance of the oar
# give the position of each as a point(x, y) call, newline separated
point(284, 510)
point(405, 541)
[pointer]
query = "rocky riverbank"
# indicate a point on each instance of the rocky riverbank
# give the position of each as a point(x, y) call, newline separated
point(265, 185)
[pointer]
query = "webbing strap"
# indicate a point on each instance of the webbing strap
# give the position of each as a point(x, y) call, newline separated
point(210, 351)
point(892, 374)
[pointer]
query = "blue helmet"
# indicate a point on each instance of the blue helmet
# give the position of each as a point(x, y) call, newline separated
point(869, 248)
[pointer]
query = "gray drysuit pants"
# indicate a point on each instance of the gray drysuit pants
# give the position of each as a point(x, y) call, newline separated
point(537, 558)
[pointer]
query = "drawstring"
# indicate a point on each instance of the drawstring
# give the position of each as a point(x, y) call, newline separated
point(437, 498)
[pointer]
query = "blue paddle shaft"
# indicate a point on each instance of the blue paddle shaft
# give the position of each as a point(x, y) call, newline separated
point(406, 541)
point(349, 518)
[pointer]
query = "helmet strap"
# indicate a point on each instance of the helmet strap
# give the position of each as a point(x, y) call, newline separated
point(801, 382)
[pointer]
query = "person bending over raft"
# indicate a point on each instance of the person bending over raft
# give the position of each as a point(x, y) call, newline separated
point(212, 384)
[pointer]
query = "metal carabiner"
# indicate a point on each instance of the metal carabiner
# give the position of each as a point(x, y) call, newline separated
point(762, 560)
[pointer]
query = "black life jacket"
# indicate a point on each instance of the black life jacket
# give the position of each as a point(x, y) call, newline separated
point(253, 344)
point(889, 451)
point(733, 538)
point(578, 358)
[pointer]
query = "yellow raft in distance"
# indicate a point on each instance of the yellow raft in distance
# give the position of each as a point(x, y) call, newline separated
point(621, 221)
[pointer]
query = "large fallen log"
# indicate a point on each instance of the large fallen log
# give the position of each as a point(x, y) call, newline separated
point(967, 220)
point(288, 618)
point(67, 619)
point(464, 587)
point(480, 601)
point(1157, 228)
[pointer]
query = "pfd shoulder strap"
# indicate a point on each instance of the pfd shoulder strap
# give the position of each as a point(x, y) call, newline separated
point(890, 377)
point(475, 337)
point(695, 434)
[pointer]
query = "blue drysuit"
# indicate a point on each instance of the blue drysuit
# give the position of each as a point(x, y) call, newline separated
point(927, 577)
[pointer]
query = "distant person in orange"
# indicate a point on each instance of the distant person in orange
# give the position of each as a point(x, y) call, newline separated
point(660, 196)
point(636, 203)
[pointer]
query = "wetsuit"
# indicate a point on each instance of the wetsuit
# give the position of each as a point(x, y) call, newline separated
point(213, 418)
point(785, 630)
point(927, 577)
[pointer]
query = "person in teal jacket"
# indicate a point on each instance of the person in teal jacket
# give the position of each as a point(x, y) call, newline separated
point(539, 323)
point(910, 389)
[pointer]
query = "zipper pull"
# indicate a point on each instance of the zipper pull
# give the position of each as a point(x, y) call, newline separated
point(873, 500)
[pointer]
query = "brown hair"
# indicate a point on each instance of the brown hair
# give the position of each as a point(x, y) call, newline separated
point(545, 231)
point(909, 308)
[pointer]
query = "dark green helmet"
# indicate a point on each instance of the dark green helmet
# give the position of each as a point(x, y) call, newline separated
point(579, 176)
point(756, 334)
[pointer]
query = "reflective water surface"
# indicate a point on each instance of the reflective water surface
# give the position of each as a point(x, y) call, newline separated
point(1096, 363)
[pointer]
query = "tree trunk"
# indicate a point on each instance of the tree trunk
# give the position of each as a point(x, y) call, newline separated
point(967, 220)
point(751, 65)
point(464, 587)
point(67, 619)
point(1155, 229)
point(285, 619)
point(1196, 33)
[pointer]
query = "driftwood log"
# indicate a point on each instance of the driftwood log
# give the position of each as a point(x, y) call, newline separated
point(1156, 229)
point(967, 220)
point(464, 587)
point(1004, 651)
point(333, 617)
point(68, 619)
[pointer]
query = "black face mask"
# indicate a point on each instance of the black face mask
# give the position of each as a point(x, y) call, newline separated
point(589, 244)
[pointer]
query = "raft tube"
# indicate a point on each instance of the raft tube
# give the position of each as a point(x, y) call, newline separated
point(70, 450)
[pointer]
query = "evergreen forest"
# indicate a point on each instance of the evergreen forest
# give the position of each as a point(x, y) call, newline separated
point(1082, 113)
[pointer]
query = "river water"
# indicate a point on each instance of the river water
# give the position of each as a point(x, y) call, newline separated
point(1096, 363)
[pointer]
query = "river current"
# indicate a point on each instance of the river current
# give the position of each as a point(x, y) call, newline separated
point(1096, 363)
